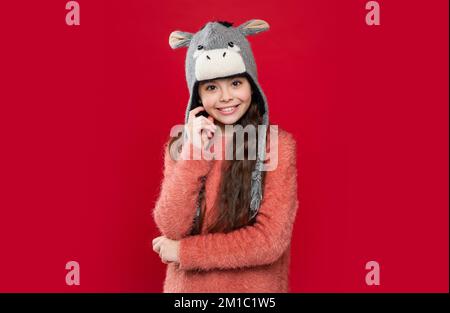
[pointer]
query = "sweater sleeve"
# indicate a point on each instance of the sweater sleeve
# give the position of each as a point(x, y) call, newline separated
point(174, 209)
point(261, 243)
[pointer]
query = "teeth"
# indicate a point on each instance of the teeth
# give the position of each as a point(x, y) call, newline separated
point(227, 110)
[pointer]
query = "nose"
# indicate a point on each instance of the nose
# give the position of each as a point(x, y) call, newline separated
point(226, 95)
point(223, 55)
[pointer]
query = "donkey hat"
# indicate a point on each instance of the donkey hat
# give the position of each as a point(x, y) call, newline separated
point(219, 50)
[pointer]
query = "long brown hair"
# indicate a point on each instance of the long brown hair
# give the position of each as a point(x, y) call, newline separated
point(233, 199)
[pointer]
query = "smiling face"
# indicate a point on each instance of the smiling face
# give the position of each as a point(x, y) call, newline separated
point(226, 99)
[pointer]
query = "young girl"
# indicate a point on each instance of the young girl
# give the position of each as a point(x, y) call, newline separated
point(226, 224)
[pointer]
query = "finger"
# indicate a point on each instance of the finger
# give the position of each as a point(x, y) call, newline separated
point(155, 240)
point(205, 140)
point(162, 256)
point(207, 121)
point(207, 135)
point(157, 246)
point(212, 134)
point(165, 261)
point(204, 136)
point(160, 242)
point(195, 111)
point(209, 128)
point(203, 122)
point(156, 249)
point(211, 118)
point(205, 128)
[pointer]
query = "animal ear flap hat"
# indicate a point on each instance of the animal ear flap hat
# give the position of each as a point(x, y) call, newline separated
point(219, 50)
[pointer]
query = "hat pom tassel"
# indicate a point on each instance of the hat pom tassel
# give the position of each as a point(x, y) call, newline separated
point(256, 193)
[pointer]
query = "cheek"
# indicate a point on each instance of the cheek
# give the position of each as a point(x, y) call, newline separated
point(207, 100)
point(208, 104)
point(245, 107)
point(244, 94)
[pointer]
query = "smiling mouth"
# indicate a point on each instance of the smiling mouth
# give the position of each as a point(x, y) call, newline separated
point(228, 110)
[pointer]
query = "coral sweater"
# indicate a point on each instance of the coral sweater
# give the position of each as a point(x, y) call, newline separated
point(250, 259)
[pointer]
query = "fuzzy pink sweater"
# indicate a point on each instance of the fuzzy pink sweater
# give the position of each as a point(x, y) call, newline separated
point(251, 259)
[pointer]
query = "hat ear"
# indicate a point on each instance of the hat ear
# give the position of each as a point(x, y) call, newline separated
point(253, 27)
point(179, 39)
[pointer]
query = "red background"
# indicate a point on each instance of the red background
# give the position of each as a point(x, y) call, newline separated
point(85, 111)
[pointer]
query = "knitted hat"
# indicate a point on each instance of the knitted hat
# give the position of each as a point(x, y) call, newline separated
point(219, 50)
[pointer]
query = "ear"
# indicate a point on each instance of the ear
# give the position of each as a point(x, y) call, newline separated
point(253, 27)
point(179, 39)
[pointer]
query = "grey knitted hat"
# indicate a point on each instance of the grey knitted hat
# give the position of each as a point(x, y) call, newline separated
point(219, 50)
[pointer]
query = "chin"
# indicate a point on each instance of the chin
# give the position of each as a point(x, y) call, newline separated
point(228, 120)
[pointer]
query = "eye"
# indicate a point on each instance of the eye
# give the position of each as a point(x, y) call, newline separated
point(236, 81)
point(199, 47)
point(231, 44)
point(207, 87)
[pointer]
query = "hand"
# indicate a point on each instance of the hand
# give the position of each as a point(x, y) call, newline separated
point(167, 249)
point(199, 126)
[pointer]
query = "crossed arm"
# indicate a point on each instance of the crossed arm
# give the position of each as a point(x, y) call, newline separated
point(261, 243)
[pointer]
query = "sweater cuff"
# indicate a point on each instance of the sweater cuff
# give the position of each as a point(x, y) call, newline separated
point(187, 253)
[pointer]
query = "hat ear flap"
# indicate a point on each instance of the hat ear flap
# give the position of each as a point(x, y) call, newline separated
point(253, 27)
point(179, 39)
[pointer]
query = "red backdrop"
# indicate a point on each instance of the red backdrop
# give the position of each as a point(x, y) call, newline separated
point(86, 109)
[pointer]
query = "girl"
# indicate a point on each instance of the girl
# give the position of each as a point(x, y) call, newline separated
point(226, 224)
